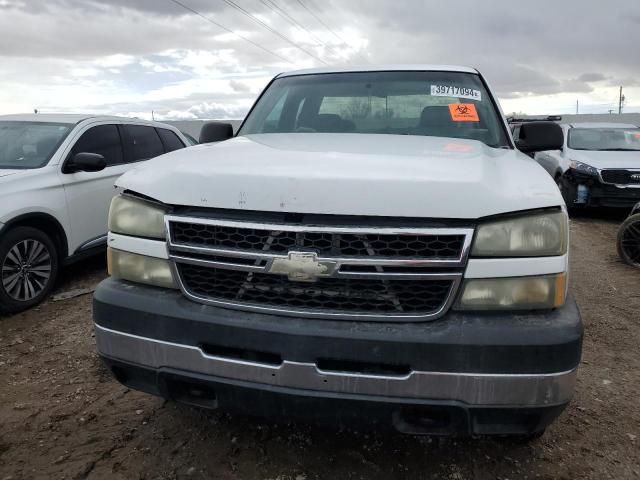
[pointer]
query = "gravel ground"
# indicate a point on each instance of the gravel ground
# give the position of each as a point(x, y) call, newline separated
point(63, 416)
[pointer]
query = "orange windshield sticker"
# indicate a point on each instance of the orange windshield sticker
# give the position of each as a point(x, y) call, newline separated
point(463, 112)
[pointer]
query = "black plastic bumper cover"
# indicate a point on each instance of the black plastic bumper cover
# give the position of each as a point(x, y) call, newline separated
point(600, 194)
point(539, 343)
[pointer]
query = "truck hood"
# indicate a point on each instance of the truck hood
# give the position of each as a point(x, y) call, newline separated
point(348, 174)
point(606, 159)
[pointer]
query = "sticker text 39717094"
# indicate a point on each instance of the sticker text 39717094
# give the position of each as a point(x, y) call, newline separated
point(452, 91)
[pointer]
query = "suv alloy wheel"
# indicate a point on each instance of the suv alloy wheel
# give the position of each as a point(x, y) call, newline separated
point(28, 268)
point(629, 241)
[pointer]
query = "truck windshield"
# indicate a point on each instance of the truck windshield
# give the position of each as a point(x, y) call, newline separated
point(439, 104)
point(30, 144)
point(612, 139)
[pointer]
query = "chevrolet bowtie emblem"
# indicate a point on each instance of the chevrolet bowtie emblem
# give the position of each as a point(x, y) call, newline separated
point(302, 267)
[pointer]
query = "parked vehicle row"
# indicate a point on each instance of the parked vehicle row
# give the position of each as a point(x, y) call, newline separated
point(597, 166)
point(372, 239)
point(57, 175)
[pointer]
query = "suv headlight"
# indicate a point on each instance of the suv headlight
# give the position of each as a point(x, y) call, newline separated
point(583, 168)
point(536, 235)
point(136, 217)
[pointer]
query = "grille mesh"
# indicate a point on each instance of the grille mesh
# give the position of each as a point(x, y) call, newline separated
point(326, 244)
point(620, 177)
point(327, 295)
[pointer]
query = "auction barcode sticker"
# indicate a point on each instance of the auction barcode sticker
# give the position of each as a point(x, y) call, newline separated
point(452, 91)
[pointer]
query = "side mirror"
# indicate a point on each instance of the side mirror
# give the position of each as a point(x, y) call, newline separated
point(85, 162)
point(540, 136)
point(215, 132)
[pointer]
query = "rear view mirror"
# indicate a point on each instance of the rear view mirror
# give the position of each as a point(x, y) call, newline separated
point(215, 132)
point(85, 162)
point(539, 136)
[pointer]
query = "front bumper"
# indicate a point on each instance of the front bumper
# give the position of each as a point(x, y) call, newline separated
point(468, 366)
point(600, 194)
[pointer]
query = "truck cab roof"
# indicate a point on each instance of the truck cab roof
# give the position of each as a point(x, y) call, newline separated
point(381, 68)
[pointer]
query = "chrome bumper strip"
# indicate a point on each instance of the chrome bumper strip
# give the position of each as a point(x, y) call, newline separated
point(521, 390)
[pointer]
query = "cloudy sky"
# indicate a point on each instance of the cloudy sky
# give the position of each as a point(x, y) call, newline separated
point(176, 58)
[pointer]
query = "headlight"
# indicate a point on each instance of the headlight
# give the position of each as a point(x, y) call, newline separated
point(538, 235)
point(132, 216)
point(583, 168)
point(140, 268)
point(516, 293)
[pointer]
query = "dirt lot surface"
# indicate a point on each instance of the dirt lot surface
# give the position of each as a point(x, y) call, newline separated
point(63, 416)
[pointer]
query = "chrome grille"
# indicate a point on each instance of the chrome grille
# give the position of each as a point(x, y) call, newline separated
point(324, 243)
point(353, 295)
point(373, 273)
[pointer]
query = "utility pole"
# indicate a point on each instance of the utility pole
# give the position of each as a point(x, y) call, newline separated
point(620, 101)
point(576, 107)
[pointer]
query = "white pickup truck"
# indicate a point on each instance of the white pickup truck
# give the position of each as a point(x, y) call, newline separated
point(370, 245)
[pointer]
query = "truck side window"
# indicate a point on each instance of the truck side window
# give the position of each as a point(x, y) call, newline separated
point(104, 140)
point(144, 142)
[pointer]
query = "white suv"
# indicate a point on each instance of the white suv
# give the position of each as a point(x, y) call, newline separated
point(597, 166)
point(57, 175)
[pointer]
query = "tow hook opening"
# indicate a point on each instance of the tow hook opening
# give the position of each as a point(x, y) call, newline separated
point(120, 374)
point(243, 354)
point(422, 420)
point(191, 393)
point(364, 368)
